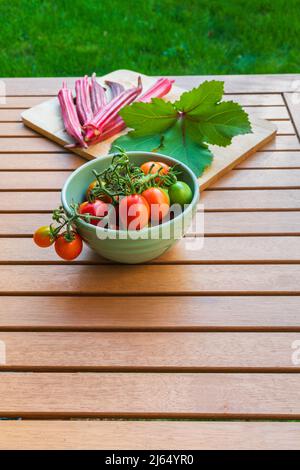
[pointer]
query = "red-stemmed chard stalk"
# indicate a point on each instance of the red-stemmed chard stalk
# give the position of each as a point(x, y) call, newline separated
point(158, 90)
point(106, 115)
point(97, 94)
point(83, 100)
point(69, 114)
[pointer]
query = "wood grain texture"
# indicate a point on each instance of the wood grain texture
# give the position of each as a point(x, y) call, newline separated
point(26, 145)
point(193, 250)
point(150, 351)
point(215, 223)
point(205, 313)
point(148, 435)
point(245, 200)
point(267, 112)
point(259, 179)
point(10, 115)
point(18, 201)
point(219, 395)
point(284, 127)
point(283, 142)
point(284, 159)
point(31, 181)
point(133, 280)
point(39, 161)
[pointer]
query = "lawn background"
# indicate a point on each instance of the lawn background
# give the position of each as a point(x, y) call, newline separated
point(73, 37)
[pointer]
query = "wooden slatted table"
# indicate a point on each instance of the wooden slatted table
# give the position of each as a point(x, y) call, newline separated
point(198, 344)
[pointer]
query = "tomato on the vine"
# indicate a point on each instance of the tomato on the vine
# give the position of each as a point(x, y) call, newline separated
point(96, 209)
point(180, 193)
point(158, 201)
point(134, 212)
point(68, 250)
point(103, 197)
point(43, 237)
point(154, 167)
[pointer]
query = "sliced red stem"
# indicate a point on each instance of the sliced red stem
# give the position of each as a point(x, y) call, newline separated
point(83, 100)
point(95, 126)
point(97, 93)
point(69, 114)
point(160, 88)
point(115, 88)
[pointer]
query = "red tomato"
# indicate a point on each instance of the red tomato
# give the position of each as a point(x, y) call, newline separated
point(154, 167)
point(68, 250)
point(159, 203)
point(97, 208)
point(134, 212)
point(42, 237)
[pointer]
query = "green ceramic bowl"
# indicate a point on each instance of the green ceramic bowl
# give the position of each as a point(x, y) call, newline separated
point(120, 245)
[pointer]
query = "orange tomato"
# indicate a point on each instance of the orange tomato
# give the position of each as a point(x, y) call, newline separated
point(68, 250)
point(42, 237)
point(154, 167)
point(159, 203)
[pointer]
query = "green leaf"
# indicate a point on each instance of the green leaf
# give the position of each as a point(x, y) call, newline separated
point(149, 118)
point(206, 94)
point(219, 123)
point(144, 144)
point(179, 142)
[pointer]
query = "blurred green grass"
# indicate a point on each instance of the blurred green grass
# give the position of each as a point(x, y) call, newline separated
point(73, 37)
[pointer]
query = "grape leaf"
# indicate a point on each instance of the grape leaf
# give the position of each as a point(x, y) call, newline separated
point(206, 94)
point(219, 123)
point(129, 142)
point(182, 129)
point(148, 120)
point(179, 142)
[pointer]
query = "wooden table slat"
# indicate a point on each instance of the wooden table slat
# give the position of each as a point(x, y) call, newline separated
point(221, 395)
point(204, 313)
point(193, 250)
point(154, 280)
point(148, 435)
point(150, 351)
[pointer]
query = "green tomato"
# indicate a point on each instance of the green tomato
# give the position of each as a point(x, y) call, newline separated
point(180, 193)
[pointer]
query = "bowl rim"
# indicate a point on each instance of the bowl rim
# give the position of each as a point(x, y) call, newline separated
point(152, 155)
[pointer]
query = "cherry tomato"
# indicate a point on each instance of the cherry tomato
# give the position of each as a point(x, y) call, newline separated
point(159, 203)
point(180, 193)
point(42, 237)
point(154, 167)
point(97, 208)
point(134, 212)
point(91, 187)
point(68, 250)
point(103, 197)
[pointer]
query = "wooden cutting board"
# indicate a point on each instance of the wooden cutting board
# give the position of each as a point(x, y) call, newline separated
point(46, 119)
